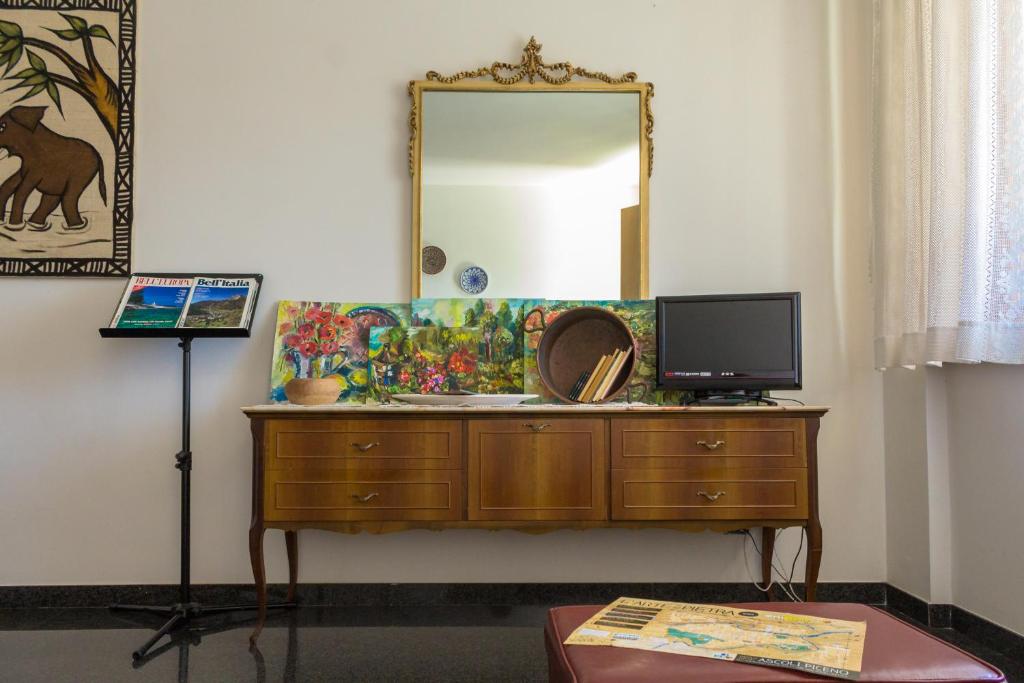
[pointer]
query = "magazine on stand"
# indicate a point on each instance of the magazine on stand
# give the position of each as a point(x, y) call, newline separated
point(219, 302)
point(153, 301)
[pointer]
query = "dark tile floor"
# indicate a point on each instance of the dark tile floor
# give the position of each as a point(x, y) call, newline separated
point(1013, 669)
point(421, 644)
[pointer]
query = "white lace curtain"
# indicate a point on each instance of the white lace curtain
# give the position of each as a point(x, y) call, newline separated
point(948, 185)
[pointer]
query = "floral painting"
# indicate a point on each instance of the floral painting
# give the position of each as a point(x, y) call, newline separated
point(424, 360)
point(500, 321)
point(641, 317)
point(323, 339)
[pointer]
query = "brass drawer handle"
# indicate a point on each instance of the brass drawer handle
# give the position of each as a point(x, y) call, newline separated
point(537, 427)
point(711, 496)
point(367, 498)
point(711, 446)
point(366, 446)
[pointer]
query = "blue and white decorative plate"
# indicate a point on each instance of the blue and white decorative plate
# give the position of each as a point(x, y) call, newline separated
point(473, 280)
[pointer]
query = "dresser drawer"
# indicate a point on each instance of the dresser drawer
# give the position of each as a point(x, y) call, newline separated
point(741, 494)
point(292, 496)
point(364, 444)
point(537, 469)
point(659, 443)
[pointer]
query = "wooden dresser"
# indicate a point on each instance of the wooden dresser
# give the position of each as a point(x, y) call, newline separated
point(538, 468)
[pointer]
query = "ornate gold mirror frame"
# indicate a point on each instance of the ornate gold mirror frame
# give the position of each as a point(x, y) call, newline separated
point(531, 75)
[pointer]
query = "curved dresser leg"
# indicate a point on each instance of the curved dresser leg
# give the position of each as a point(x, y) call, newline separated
point(259, 575)
point(767, 553)
point(813, 559)
point(291, 541)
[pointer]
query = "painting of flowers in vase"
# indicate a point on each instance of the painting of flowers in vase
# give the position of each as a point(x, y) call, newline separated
point(424, 360)
point(317, 339)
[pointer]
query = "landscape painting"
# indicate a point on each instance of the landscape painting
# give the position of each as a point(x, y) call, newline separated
point(424, 360)
point(66, 137)
point(500, 322)
point(641, 317)
point(325, 339)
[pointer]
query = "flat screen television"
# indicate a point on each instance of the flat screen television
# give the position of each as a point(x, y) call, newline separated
point(729, 343)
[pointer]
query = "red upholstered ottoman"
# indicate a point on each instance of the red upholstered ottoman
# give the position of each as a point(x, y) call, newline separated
point(894, 652)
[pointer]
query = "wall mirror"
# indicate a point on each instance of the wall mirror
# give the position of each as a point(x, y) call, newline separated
point(530, 180)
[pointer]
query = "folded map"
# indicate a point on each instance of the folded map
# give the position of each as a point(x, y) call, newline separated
point(826, 647)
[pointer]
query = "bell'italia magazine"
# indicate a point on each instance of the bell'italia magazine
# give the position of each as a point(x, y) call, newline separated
point(186, 302)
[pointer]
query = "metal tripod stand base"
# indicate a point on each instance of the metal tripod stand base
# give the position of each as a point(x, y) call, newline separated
point(181, 614)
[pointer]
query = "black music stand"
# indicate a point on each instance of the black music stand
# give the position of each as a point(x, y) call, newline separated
point(183, 611)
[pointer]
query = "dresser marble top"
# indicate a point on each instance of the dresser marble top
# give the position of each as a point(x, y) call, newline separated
point(281, 409)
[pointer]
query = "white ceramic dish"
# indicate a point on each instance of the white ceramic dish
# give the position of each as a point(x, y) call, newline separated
point(463, 399)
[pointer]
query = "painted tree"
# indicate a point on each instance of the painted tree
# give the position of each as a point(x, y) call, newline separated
point(87, 79)
point(505, 315)
point(502, 344)
point(488, 324)
point(503, 341)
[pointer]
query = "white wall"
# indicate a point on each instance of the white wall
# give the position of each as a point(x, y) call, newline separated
point(496, 228)
point(906, 481)
point(272, 137)
point(986, 468)
point(917, 485)
point(534, 241)
point(954, 468)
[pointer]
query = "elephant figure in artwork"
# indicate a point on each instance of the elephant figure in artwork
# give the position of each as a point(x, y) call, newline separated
point(58, 167)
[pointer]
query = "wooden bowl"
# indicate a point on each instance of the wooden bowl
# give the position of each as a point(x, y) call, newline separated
point(575, 341)
point(312, 392)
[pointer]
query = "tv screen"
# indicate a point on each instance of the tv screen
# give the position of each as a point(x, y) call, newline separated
point(729, 342)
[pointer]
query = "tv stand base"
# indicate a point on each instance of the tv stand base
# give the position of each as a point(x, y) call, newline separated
point(728, 398)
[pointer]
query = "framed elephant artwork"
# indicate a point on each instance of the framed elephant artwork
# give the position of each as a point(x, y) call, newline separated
point(66, 137)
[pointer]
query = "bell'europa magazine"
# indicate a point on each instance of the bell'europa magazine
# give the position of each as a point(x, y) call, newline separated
point(186, 302)
point(826, 647)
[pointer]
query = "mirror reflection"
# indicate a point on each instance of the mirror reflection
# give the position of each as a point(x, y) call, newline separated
point(537, 190)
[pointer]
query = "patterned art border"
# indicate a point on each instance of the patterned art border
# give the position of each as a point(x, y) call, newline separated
point(119, 264)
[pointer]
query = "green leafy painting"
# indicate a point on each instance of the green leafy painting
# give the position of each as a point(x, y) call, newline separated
point(424, 360)
point(501, 325)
